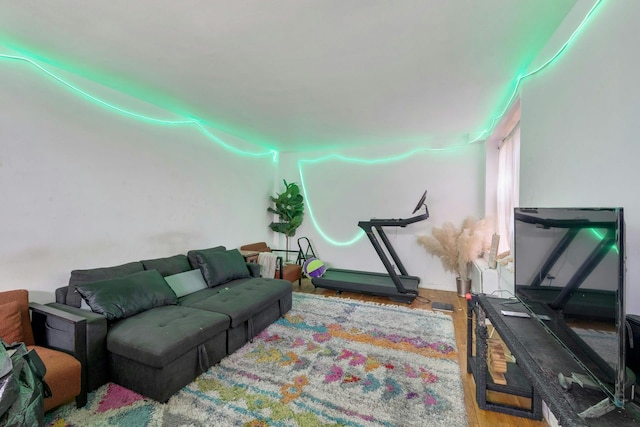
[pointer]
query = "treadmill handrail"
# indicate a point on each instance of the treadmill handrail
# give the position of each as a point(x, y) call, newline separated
point(378, 225)
point(563, 223)
point(394, 222)
point(404, 294)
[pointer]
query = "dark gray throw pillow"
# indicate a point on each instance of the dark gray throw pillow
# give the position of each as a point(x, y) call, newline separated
point(168, 266)
point(192, 254)
point(221, 267)
point(123, 297)
point(79, 277)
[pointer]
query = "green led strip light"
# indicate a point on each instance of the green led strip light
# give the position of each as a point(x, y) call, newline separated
point(275, 154)
point(326, 237)
point(519, 79)
point(601, 236)
point(132, 114)
point(360, 233)
point(482, 134)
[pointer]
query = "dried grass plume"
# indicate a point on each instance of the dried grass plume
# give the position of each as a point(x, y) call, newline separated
point(456, 247)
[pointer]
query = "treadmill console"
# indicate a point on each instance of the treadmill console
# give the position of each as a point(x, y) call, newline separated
point(421, 202)
point(399, 222)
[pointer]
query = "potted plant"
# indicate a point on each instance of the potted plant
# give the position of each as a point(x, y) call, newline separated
point(457, 247)
point(289, 206)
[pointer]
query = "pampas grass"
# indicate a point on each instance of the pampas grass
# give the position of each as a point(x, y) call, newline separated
point(457, 247)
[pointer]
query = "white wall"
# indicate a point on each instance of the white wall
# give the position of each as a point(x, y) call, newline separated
point(341, 193)
point(84, 187)
point(579, 126)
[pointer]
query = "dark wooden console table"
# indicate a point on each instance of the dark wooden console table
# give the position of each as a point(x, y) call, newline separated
point(539, 359)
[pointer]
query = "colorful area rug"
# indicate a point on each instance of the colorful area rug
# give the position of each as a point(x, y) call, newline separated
point(329, 362)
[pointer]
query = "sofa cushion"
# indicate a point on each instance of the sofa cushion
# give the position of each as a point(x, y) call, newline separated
point(126, 296)
point(10, 323)
point(219, 268)
point(79, 277)
point(158, 336)
point(186, 283)
point(254, 269)
point(191, 255)
point(241, 299)
point(169, 265)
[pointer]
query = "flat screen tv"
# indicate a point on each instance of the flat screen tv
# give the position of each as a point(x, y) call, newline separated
point(572, 260)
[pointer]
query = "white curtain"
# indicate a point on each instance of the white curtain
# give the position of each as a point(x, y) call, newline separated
point(508, 186)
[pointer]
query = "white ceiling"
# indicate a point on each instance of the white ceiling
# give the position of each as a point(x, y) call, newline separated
point(299, 74)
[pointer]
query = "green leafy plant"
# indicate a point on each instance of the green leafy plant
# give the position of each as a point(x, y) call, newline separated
point(289, 206)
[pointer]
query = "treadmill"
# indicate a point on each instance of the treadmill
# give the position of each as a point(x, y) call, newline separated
point(397, 287)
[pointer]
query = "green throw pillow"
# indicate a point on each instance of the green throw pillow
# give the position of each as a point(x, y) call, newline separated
point(219, 267)
point(124, 297)
point(186, 283)
point(191, 255)
point(79, 277)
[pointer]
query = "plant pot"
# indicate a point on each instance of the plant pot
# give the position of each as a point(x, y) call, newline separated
point(463, 286)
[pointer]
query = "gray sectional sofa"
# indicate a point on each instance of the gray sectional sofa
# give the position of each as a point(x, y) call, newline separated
point(154, 325)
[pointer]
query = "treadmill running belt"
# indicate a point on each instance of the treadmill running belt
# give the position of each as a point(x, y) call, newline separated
point(368, 283)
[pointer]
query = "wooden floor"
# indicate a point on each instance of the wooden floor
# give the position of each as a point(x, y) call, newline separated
point(477, 417)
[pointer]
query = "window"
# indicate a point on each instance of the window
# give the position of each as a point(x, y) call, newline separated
point(508, 185)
